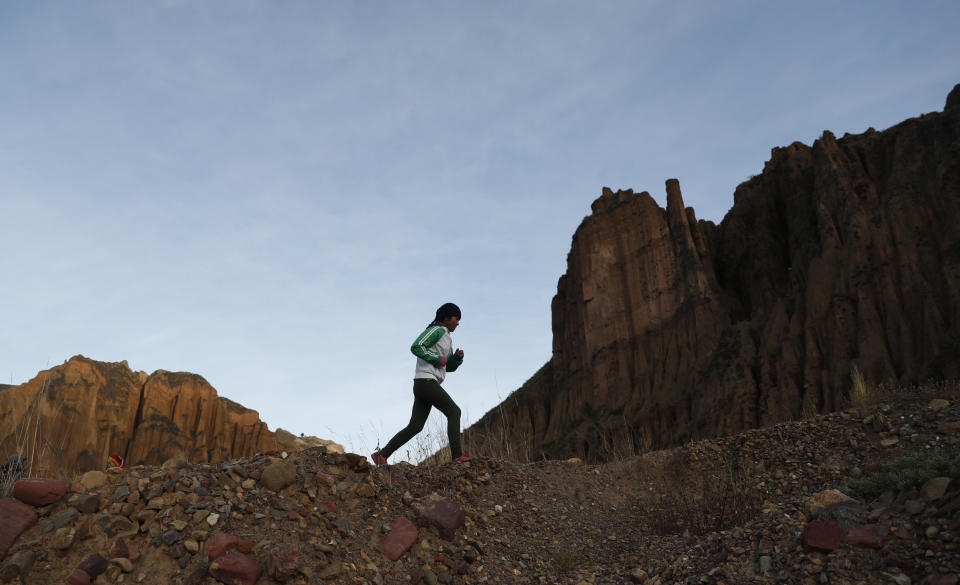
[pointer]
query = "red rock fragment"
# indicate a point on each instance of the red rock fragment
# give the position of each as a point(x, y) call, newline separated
point(442, 513)
point(869, 536)
point(15, 517)
point(284, 563)
point(400, 539)
point(120, 550)
point(236, 569)
point(941, 580)
point(245, 546)
point(93, 566)
point(78, 577)
point(822, 536)
point(38, 491)
point(220, 543)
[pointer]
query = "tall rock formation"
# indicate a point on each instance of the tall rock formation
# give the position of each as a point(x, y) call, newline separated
point(74, 416)
point(838, 255)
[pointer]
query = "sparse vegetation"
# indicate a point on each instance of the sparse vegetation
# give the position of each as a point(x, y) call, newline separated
point(861, 394)
point(565, 561)
point(906, 473)
point(696, 495)
point(41, 445)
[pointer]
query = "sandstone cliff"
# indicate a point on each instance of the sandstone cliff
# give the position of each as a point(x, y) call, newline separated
point(838, 255)
point(73, 416)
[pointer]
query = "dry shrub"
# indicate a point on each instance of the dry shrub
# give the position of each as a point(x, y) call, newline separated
point(698, 494)
point(624, 442)
point(41, 444)
point(501, 440)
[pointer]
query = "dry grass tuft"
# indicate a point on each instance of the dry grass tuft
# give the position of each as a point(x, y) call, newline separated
point(862, 394)
point(41, 443)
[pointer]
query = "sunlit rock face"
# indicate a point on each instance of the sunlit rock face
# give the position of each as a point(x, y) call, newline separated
point(665, 328)
point(74, 416)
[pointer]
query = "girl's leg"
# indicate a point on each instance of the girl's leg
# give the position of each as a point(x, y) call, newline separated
point(434, 392)
point(421, 409)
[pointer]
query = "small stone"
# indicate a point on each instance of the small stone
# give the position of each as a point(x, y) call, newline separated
point(766, 563)
point(938, 404)
point(931, 531)
point(236, 568)
point(284, 563)
point(65, 517)
point(63, 538)
point(78, 577)
point(949, 427)
point(121, 493)
point(441, 513)
point(887, 443)
point(330, 571)
point(93, 479)
point(200, 515)
point(277, 476)
point(403, 535)
point(85, 503)
point(941, 580)
point(18, 566)
point(125, 564)
point(120, 549)
point(822, 536)
point(870, 536)
point(822, 499)
point(637, 575)
point(212, 519)
point(219, 544)
point(93, 566)
point(902, 579)
point(935, 488)
point(846, 515)
point(171, 537)
point(914, 507)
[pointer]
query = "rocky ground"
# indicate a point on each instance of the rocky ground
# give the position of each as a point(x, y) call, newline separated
point(751, 508)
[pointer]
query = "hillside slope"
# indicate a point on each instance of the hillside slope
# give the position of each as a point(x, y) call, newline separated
point(730, 510)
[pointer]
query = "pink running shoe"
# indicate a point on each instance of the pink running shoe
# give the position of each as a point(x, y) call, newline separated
point(378, 458)
point(462, 459)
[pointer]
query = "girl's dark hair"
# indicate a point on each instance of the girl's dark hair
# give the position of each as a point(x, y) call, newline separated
point(445, 310)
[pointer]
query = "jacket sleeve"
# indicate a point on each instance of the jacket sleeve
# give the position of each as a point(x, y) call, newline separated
point(423, 346)
point(453, 362)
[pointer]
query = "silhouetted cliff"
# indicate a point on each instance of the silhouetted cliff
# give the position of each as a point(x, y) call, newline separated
point(841, 254)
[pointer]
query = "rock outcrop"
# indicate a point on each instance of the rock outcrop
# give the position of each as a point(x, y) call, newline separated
point(74, 416)
point(840, 255)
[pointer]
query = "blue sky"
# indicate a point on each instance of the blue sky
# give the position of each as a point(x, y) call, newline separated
point(278, 195)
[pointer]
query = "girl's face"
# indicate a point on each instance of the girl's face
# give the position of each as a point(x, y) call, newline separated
point(450, 323)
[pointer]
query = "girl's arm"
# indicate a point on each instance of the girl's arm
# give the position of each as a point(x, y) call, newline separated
point(423, 346)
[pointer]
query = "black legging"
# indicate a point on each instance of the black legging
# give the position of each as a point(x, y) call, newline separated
point(428, 393)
